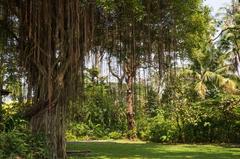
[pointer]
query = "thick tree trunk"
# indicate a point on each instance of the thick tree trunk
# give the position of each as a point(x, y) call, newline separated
point(59, 134)
point(130, 109)
point(51, 122)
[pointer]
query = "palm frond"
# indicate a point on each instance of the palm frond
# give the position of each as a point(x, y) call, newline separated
point(227, 84)
point(189, 72)
point(208, 76)
point(222, 70)
point(230, 86)
point(235, 78)
point(201, 89)
point(220, 80)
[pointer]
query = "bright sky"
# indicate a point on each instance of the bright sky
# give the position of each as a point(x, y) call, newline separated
point(217, 4)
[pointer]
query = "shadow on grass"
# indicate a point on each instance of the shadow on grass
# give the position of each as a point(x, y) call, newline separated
point(109, 150)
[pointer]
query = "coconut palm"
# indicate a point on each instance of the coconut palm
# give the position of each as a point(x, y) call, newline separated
point(209, 67)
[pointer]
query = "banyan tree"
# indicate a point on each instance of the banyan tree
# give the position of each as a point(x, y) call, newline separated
point(52, 37)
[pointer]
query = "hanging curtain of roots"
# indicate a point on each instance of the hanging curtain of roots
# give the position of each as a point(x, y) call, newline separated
point(53, 37)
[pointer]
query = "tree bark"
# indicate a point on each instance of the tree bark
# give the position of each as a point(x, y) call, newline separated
point(51, 122)
point(130, 109)
point(59, 124)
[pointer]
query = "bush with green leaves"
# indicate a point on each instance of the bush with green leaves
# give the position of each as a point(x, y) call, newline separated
point(77, 131)
point(82, 131)
point(99, 114)
point(13, 144)
point(115, 135)
point(157, 129)
point(22, 144)
point(162, 130)
point(143, 128)
point(16, 139)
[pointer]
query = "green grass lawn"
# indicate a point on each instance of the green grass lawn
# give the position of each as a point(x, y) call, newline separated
point(114, 150)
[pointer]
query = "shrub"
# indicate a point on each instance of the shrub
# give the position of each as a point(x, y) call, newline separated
point(143, 128)
point(115, 135)
point(15, 138)
point(12, 144)
point(162, 130)
point(70, 136)
point(18, 144)
point(79, 131)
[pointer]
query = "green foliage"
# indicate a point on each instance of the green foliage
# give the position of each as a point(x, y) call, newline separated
point(101, 107)
point(77, 131)
point(199, 101)
point(133, 7)
point(12, 144)
point(143, 128)
point(101, 113)
point(16, 139)
point(22, 144)
point(212, 119)
point(152, 102)
point(162, 130)
point(82, 131)
point(12, 118)
point(115, 135)
point(157, 128)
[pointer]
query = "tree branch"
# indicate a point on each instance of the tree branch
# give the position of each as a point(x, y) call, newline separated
point(226, 29)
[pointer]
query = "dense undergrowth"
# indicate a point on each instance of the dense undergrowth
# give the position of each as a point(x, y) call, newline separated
point(16, 138)
point(176, 119)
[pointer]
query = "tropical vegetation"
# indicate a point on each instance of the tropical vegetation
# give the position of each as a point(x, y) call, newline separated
point(156, 71)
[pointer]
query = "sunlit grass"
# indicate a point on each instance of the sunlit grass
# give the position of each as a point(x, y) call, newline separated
point(130, 150)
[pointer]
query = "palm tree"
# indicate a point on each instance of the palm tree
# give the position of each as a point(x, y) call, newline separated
point(209, 66)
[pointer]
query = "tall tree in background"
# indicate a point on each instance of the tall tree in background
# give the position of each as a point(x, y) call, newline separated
point(230, 36)
point(124, 36)
point(149, 34)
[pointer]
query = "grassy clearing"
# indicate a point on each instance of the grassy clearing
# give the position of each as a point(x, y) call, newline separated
point(128, 150)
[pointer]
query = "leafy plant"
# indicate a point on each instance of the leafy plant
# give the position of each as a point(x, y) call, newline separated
point(115, 135)
point(19, 144)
